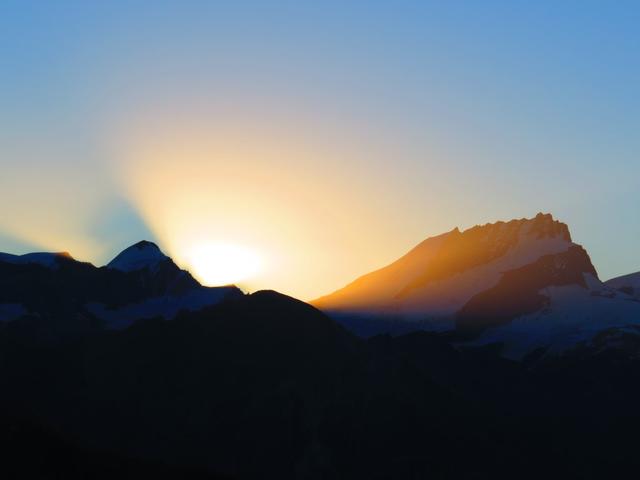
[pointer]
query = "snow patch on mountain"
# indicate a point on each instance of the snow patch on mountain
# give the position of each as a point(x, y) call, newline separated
point(573, 317)
point(166, 307)
point(142, 255)
point(629, 284)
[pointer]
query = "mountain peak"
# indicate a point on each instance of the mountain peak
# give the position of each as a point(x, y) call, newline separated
point(139, 256)
point(544, 225)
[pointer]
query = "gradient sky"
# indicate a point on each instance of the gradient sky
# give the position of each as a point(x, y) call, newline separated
point(327, 137)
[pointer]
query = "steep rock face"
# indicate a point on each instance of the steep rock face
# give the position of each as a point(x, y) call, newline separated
point(518, 292)
point(439, 276)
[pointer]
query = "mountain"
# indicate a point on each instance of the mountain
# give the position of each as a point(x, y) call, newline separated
point(66, 297)
point(523, 284)
point(440, 275)
point(629, 284)
point(266, 386)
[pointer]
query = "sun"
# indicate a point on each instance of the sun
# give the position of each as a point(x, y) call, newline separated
point(215, 264)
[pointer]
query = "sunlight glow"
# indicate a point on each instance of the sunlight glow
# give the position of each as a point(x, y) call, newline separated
point(222, 264)
point(270, 189)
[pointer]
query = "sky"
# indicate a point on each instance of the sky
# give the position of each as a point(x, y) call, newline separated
point(315, 141)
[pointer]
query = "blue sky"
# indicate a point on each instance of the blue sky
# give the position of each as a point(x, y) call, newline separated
point(422, 116)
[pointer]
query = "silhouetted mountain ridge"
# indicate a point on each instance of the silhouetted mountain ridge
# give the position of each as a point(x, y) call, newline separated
point(141, 282)
point(266, 386)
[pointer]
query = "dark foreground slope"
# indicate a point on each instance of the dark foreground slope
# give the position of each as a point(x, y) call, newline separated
point(265, 386)
point(30, 451)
